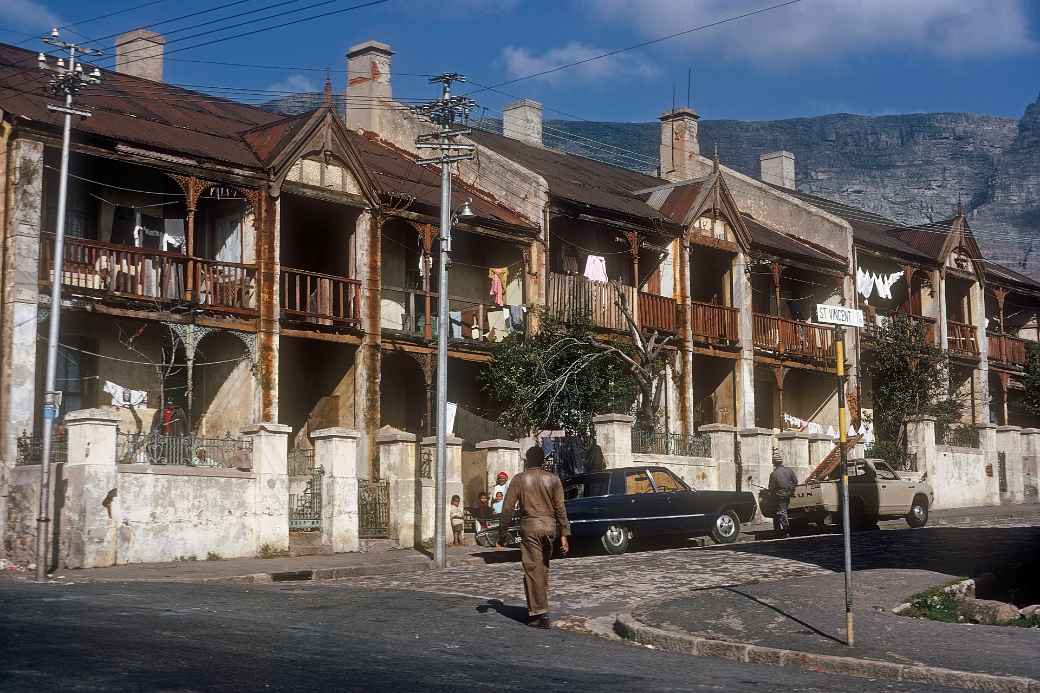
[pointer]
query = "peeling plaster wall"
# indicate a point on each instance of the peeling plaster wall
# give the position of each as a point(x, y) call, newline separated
point(959, 478)
point(164, 514)
point(232, 405)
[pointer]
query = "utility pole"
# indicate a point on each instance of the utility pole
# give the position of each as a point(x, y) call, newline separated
point(67, 81)
point(445, 113)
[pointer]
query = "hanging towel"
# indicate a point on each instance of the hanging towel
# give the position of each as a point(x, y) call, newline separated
point(125, 397)
point(516, 317)
point(497, 324)
point(449, 416)
point(499, 278)
point(596, 268)
point(864, 283)
point(456, 324)
point(884, 284)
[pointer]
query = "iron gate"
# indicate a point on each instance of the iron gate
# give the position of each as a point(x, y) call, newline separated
point(305, 508)
point(1002, 471)
point(373, 508)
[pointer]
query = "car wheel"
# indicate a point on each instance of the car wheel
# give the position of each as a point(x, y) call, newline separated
point(918, 515)
point(615, 540)
point(726, 527)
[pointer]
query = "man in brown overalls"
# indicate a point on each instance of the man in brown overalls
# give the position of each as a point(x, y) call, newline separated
point(543, 517)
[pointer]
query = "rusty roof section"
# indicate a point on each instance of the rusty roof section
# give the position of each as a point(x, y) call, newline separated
point(931, 238)
point(396, 171)
point(1000, 274)
point(581, 181)
point(783, 246)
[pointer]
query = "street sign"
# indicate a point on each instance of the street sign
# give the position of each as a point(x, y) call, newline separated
point(839, 315)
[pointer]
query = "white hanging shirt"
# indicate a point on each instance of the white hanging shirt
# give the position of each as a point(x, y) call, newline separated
point(884, 284)
point(864, 283)
point(125, 397)
point(596, 268)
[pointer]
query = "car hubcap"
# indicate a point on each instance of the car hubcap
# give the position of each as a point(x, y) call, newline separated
point(919, 512)
point(615, 535)
point(725, 525)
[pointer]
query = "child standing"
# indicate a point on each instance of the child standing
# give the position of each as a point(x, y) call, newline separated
point(458, 519)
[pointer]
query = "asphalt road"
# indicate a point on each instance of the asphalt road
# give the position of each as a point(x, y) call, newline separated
point(180, 637)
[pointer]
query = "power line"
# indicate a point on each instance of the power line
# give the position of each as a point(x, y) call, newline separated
point(643, 44)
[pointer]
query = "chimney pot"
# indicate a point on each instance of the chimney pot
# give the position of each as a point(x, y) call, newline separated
point(368, 84)
point(777, 168)
point(679, 143)
point(140, 53)
point(522, 120)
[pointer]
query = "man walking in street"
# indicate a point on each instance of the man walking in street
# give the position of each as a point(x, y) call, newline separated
point(537, 497)
point(781, 484)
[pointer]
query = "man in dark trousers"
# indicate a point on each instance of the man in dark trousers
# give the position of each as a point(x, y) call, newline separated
point(781, 484)
point(543, 518)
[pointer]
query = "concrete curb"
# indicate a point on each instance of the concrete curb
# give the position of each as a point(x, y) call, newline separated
point(629, 628)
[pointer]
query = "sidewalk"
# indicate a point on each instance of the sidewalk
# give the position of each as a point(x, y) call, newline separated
point(952, 516)
point(262, 570)
point(784, 620)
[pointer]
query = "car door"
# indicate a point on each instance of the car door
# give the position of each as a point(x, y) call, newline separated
point(675, 502)
point(896, 494)
point(642, 508)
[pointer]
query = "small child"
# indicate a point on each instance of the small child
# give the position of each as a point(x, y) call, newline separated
point(497, 505)
point(458, 519)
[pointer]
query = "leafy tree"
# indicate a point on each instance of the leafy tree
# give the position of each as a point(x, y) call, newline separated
point(559, 375)
point(910, 375)
point(1031, 380)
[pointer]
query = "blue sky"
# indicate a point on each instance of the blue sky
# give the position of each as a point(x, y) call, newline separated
point(810, 58)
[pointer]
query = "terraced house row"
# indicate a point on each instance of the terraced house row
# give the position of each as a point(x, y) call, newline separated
point(227, 265)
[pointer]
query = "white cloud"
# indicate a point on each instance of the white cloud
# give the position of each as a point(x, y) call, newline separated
point(27, 15)
point(818, 29)
point(295, 83)
point(520, 62)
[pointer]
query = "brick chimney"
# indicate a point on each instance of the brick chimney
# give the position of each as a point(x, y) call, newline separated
point(777, 168)
point(368, 84)
point(522, 120)
point(140, 53)
point(679, 143)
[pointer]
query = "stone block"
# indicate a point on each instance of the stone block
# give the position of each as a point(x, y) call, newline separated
point(614, 438)
point(86, 513)
point(335, 450)
point(270, 464)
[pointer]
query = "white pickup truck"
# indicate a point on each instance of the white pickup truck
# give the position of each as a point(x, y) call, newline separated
point(875, 493)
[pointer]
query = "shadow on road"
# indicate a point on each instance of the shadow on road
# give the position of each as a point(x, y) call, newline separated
point(515, 613)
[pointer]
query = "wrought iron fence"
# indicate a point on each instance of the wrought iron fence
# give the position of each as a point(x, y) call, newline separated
point(659, 443)
point(425, 463)
point(1002, 471)
point(29, 448)
point(958, 436)
point(301, 461)
point(373, 508)
point(305, 508)
point(189, 450)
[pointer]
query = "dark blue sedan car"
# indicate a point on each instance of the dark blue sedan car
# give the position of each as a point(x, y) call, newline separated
point(615, 505)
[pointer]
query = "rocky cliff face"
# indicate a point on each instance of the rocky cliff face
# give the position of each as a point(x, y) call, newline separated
point(910, 168)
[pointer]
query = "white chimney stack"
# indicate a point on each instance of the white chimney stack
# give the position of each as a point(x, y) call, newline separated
point(140, 53)
point(777, 168)
point(679, 143)
point(368, 84)
point(522, 120)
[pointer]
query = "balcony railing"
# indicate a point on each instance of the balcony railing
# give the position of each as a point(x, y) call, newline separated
point(415, 311)
point(572, 295)
point(876, 319)
point(661, 443)
point(320, 299)
point(793, 338)
point(150, 275)
point(656, 312)
point(961, 338)
point(714, 324)
point(1004, 348)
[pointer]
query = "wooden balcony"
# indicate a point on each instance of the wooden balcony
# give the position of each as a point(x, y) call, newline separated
point(414, 311)
point(961, 339)
point(657, 312)
point(154, 276)
point(320, 299)
point(716, 325)
point(572, 295)
point(1007, 350)
point(875, 319)
point(792, 338)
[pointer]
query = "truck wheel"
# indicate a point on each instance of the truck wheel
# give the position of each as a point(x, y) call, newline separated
point(918, 515)
point(615, 540)
point(726, 527)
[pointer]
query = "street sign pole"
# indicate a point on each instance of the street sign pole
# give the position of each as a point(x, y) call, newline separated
point(843, 450)
point(842, 317)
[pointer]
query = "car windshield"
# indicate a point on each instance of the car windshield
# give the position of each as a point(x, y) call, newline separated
point(885, 472)
point(587, 486)
point(666, 481)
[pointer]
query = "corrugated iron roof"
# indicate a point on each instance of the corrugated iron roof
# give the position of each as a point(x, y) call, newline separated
point(931, 238)
point(1005, 275)
point(782, 245)
point(577, 179)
